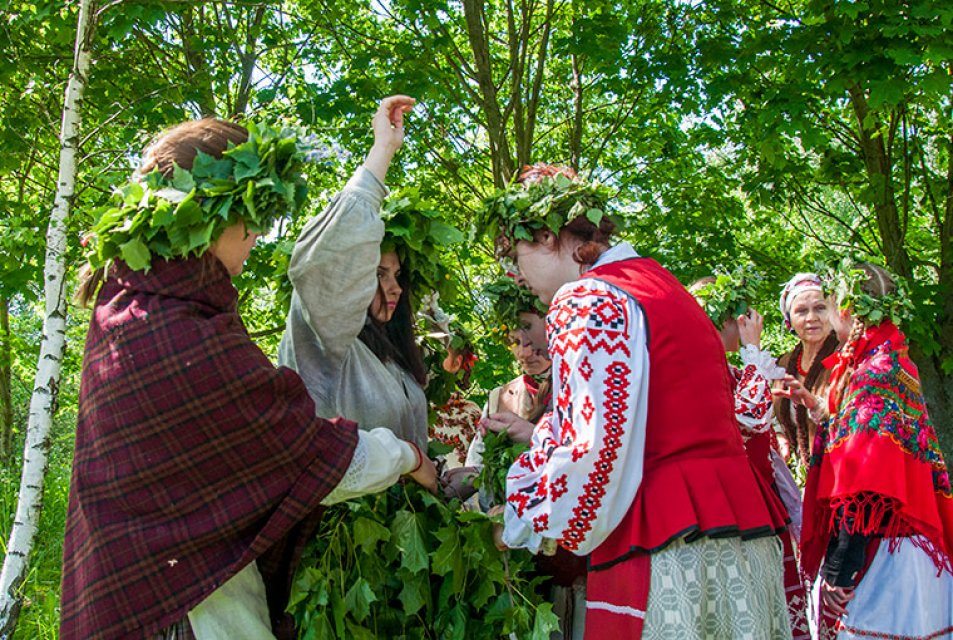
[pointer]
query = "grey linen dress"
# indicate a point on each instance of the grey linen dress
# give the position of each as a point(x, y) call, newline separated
point(334, 273)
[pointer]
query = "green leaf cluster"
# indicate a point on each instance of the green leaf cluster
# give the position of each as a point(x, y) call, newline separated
point(403, 564)
point(508, 300)
point(847, 281)
point(257, 182)
point(419, 233)
point(499, 454)
point(549, 203)
point(729, 296)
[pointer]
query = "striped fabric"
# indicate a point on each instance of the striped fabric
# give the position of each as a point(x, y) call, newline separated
point(194, 455)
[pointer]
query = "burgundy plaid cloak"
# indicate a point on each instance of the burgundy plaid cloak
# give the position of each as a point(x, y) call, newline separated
point(194, 455)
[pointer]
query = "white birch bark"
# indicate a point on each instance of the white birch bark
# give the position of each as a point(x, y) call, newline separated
point(43, 400)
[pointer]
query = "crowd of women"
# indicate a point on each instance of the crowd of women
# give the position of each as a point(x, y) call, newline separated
point(655, 486)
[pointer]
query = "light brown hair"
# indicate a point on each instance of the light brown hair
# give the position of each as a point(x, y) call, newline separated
point(177, 146)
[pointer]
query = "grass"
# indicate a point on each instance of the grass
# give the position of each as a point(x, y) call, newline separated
point(39, 617)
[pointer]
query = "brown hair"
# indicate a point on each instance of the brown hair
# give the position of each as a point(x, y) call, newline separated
point(796, 428)
point(594, 238)
point(878, 284)
point(177, 146)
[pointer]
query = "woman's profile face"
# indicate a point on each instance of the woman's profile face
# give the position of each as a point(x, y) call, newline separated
point(233, 247)
point(810, 316)
point(388, 290)
point(542, 268)
point(529, 344)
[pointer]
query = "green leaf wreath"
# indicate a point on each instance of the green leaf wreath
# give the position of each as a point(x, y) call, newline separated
point(520, 209)
point(507, 300)
point(418, 232)
point(729, 295)
point(257, 181)
point(846, 281)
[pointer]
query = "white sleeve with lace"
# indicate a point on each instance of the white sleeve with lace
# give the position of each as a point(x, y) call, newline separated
point(380, 458)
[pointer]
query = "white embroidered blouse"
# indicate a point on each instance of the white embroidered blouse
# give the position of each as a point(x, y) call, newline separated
point(584, 465)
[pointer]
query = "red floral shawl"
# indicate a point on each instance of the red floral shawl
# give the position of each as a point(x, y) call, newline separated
point(876, 466)
point(194, 455)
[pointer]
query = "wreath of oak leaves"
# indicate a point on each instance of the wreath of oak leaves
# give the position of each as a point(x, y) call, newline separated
point(549, 203)
point(257, 181)
point(729, 295)
point(846, 281)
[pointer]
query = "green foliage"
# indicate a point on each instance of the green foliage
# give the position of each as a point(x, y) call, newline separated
point(729, 296)
point(402, 564)
point(847, 282)
point(499, 454)
point(257, 182)
point(508, 300)
point(549, 203)
point(418, 232)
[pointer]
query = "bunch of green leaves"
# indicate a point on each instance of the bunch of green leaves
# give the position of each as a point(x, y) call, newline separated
point(508, 300)
point(729, 296)
point(416, 230)
point(499, 454)
point(402, 564)
point(257, 181)
point(549, 203)
point(848, 283)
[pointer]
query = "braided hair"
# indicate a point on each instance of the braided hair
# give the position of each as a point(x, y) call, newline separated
point(878, 283)
point(796, 429)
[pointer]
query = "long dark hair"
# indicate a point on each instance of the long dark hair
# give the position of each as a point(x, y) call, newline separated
point(796, 429)
point(394, 339)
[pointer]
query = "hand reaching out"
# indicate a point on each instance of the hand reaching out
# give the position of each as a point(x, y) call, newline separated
point(518, 429)
point(426, 473)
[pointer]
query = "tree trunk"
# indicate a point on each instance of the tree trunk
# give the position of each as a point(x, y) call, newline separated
point(6, 397)
point(43, 400)
point(880, 179)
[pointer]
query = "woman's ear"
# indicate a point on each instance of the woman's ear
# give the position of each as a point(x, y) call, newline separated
point(546, 238)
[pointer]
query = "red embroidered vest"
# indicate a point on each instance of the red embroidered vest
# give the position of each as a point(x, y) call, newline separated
point(697, 480)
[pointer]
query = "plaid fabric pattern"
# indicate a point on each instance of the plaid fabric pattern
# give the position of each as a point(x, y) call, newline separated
point(194, 454)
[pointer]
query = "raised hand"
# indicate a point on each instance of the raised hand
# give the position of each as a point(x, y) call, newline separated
point(749, 328)
point(388, 126)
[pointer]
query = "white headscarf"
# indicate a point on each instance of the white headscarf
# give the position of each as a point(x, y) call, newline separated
point(797, 285)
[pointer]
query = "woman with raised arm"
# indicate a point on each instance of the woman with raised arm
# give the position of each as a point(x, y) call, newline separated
point(878, 510)
point(640, 463)
point(199, 467)
point(350, 329)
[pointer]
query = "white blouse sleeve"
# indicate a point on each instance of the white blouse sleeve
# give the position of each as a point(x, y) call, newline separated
point(753, 400)
point(333, 266)
point(380, 458)
point(584, 465)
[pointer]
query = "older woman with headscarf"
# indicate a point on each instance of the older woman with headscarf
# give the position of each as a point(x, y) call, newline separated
point(806, 312)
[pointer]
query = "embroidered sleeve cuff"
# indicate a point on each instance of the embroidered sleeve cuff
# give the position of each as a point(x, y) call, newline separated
point(517, 534)
point(763, 360)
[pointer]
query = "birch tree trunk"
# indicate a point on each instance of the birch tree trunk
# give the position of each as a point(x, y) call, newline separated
point(43, 400)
